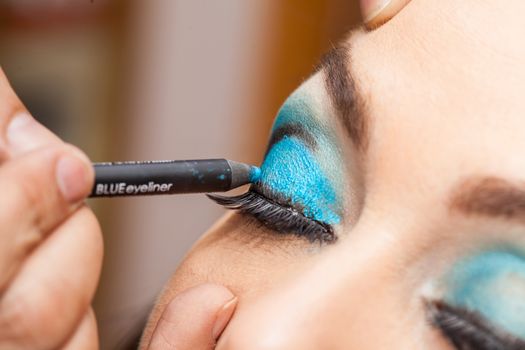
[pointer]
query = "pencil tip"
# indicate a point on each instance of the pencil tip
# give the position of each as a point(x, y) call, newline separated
point(255, 174)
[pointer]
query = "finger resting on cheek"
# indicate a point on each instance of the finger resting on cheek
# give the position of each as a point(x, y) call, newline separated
point(54, 287)
point(194, 319)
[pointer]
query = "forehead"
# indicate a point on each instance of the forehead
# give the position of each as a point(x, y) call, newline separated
point(444, 99)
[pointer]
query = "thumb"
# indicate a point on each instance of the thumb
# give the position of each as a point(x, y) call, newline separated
point(194, 319)
point(378, 12)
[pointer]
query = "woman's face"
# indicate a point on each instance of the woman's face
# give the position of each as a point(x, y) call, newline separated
point(403, 155)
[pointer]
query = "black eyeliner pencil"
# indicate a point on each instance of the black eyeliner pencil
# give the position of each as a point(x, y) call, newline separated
point(121, 179)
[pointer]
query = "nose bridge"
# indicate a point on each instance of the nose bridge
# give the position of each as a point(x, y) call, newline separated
point(333, 303)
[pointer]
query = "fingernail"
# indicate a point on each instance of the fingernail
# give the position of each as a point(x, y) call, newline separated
point(223, 316)
point(74, 174)
point(24, 133)
point(372, 8)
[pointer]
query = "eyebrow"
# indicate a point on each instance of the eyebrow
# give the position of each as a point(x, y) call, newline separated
point(490, 196)
point(342, 90)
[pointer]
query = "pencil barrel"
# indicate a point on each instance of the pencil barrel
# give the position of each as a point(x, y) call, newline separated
point(161, 177)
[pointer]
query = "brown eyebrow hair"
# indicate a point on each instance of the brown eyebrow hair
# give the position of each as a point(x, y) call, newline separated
point(490, 196)
point(341, 88)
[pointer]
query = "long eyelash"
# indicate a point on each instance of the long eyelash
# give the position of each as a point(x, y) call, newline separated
point(468, 330)
point(276, 216)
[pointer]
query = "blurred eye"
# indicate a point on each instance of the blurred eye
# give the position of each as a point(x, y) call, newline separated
point(468, 330)
point(483, 304)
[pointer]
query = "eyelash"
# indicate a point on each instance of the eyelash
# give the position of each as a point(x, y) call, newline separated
point(277, 217)
point(468, 330)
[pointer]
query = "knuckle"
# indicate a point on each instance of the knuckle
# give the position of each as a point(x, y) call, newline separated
point(32, 199)
point(28, 320)
point(20, 231)
point(19, 323)
point(32, 192)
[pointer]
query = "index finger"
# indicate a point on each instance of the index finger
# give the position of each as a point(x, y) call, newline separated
point(377, 12)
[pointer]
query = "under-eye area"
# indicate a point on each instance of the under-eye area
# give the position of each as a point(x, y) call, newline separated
point(277, 217)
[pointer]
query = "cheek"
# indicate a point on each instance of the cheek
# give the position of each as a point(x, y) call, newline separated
point(242, 257)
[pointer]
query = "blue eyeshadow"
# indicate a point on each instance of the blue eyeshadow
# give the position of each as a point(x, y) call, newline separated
point(492, 284)
point(291, 171)
point(298, 108)
point(300, 173)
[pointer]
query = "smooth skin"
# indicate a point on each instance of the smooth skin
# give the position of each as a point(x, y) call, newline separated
point(442, 83)
point(378, 12)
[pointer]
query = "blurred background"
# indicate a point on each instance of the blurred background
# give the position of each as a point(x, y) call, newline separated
point(160, 79)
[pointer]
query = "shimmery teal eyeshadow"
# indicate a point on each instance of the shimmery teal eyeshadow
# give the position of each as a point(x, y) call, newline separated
point(291, 171)
point(302, 176)
point(493, 284)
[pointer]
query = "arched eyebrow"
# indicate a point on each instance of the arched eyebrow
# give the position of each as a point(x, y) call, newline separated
point(345, 97)
point(489, 196)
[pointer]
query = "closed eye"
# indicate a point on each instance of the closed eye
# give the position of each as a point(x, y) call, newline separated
point(277, 217)
point(468, 330)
